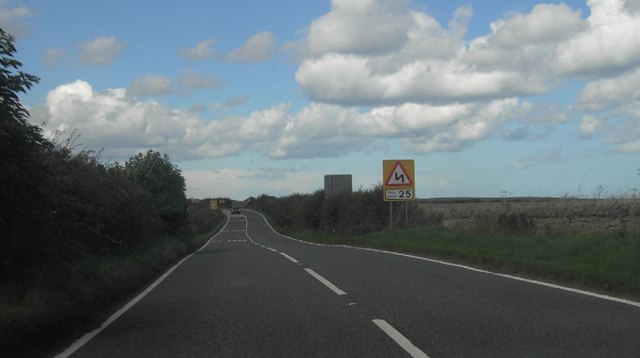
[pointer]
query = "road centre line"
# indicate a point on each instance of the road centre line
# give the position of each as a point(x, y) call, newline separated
point(289, 257)
point(315, 275)
point(246, 233)
point(401, 340)
point(394, 334)
point(325, 282)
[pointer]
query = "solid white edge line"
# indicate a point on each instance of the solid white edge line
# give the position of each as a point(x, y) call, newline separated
point(325, 282)
point(469, 268)
point(401, 340)
point(88, 336)
point(289, 257)
point(516, 278)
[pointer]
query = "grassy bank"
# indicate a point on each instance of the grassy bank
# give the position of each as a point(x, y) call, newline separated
point(80, 294)
point(608, 264)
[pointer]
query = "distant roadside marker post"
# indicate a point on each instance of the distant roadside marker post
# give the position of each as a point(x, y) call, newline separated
point(399, 184)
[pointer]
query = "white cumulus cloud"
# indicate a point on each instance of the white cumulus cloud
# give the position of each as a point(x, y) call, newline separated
point(12, 18)
point(150, 86)
point(617, 98)
point(589, 126)
point(114, 121)
point(202, 50)
point(413, 58)
point(100, 51)
point(193, 81)
point(626, 135)
point(257, 48)
point(608, 44)
point(122, 125)
point(611, 92)
point(347, 28)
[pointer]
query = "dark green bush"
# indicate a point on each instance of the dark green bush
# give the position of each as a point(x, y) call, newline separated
point(76, 233)
point(58, 204)
point(360, 212)
point(164, 181)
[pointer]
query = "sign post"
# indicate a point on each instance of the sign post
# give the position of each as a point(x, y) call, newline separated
point(398, 183)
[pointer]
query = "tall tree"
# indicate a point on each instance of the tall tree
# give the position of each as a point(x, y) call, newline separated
point(22, 146)
point(164, 181)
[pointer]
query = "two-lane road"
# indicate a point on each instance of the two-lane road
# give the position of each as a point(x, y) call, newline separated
point(253, 293)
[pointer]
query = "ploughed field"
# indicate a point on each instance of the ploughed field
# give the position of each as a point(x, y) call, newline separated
point(553, 216)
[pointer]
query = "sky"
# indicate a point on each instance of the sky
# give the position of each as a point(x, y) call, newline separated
point(489, 98)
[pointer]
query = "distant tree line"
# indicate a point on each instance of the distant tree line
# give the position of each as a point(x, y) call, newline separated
point(57, 203)
point(360, 212)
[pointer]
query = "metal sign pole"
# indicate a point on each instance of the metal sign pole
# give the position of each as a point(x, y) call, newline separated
point(391, 215)
point(406, 215)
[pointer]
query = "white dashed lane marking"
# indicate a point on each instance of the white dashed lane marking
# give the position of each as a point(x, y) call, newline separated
point(400, 339)
point(325, 282)
point(289, 258)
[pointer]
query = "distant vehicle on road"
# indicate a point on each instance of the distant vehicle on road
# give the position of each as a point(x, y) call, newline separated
point(235, 210)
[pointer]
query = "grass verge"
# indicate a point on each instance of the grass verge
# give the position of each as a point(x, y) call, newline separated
point(81, 294)
point(603, 264)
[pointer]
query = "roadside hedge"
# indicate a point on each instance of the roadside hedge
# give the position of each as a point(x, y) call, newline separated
point(360, 212)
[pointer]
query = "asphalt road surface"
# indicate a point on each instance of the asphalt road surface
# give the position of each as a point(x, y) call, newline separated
point(253, 293)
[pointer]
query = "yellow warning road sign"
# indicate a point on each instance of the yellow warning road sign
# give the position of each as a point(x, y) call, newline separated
point(399, 180)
